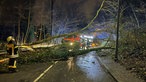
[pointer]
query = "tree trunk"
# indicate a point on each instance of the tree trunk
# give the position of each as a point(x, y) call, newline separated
point(28, 27)
point(117, 38)
point(19, 23)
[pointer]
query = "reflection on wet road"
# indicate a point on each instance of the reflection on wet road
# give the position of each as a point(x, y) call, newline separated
point(84, 68)
point(90, 66)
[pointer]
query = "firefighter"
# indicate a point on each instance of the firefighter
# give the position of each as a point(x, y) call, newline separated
point(12, 50)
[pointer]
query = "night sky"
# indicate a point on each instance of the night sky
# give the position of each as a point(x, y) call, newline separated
point(82, 10)
point(58, 14)
point(62, 8)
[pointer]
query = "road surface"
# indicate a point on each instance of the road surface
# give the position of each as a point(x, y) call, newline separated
point(84, 68)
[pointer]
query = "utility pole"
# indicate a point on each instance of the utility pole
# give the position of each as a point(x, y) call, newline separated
point(117, 31)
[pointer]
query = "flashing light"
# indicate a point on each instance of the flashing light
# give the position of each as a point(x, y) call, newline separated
point(85, 36)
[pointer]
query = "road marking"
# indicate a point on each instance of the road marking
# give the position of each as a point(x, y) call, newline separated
point(44, 72)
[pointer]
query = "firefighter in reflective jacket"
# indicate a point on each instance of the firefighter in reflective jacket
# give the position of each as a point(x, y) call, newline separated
point(12, 51)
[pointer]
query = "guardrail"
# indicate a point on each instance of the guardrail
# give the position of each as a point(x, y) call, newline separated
point(3, 52)
point(4, 60)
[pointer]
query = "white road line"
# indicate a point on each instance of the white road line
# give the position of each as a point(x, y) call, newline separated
point(44, 72)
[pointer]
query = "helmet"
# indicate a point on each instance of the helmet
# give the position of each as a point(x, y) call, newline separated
point(10, 38)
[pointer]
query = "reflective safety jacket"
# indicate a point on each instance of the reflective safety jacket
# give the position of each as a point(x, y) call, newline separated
point(12, 49)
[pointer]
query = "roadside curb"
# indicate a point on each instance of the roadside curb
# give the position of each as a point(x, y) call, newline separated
point(106, 68)
point(118, 72)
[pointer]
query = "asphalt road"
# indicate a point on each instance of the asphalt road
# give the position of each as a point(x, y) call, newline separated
point(84, 68)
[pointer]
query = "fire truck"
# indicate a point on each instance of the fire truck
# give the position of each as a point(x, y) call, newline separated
point(72, 42)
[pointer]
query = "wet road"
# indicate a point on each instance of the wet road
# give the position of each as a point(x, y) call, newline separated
point(84, 68)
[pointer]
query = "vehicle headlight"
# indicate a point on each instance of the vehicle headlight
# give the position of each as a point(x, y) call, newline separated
point(71, 43)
